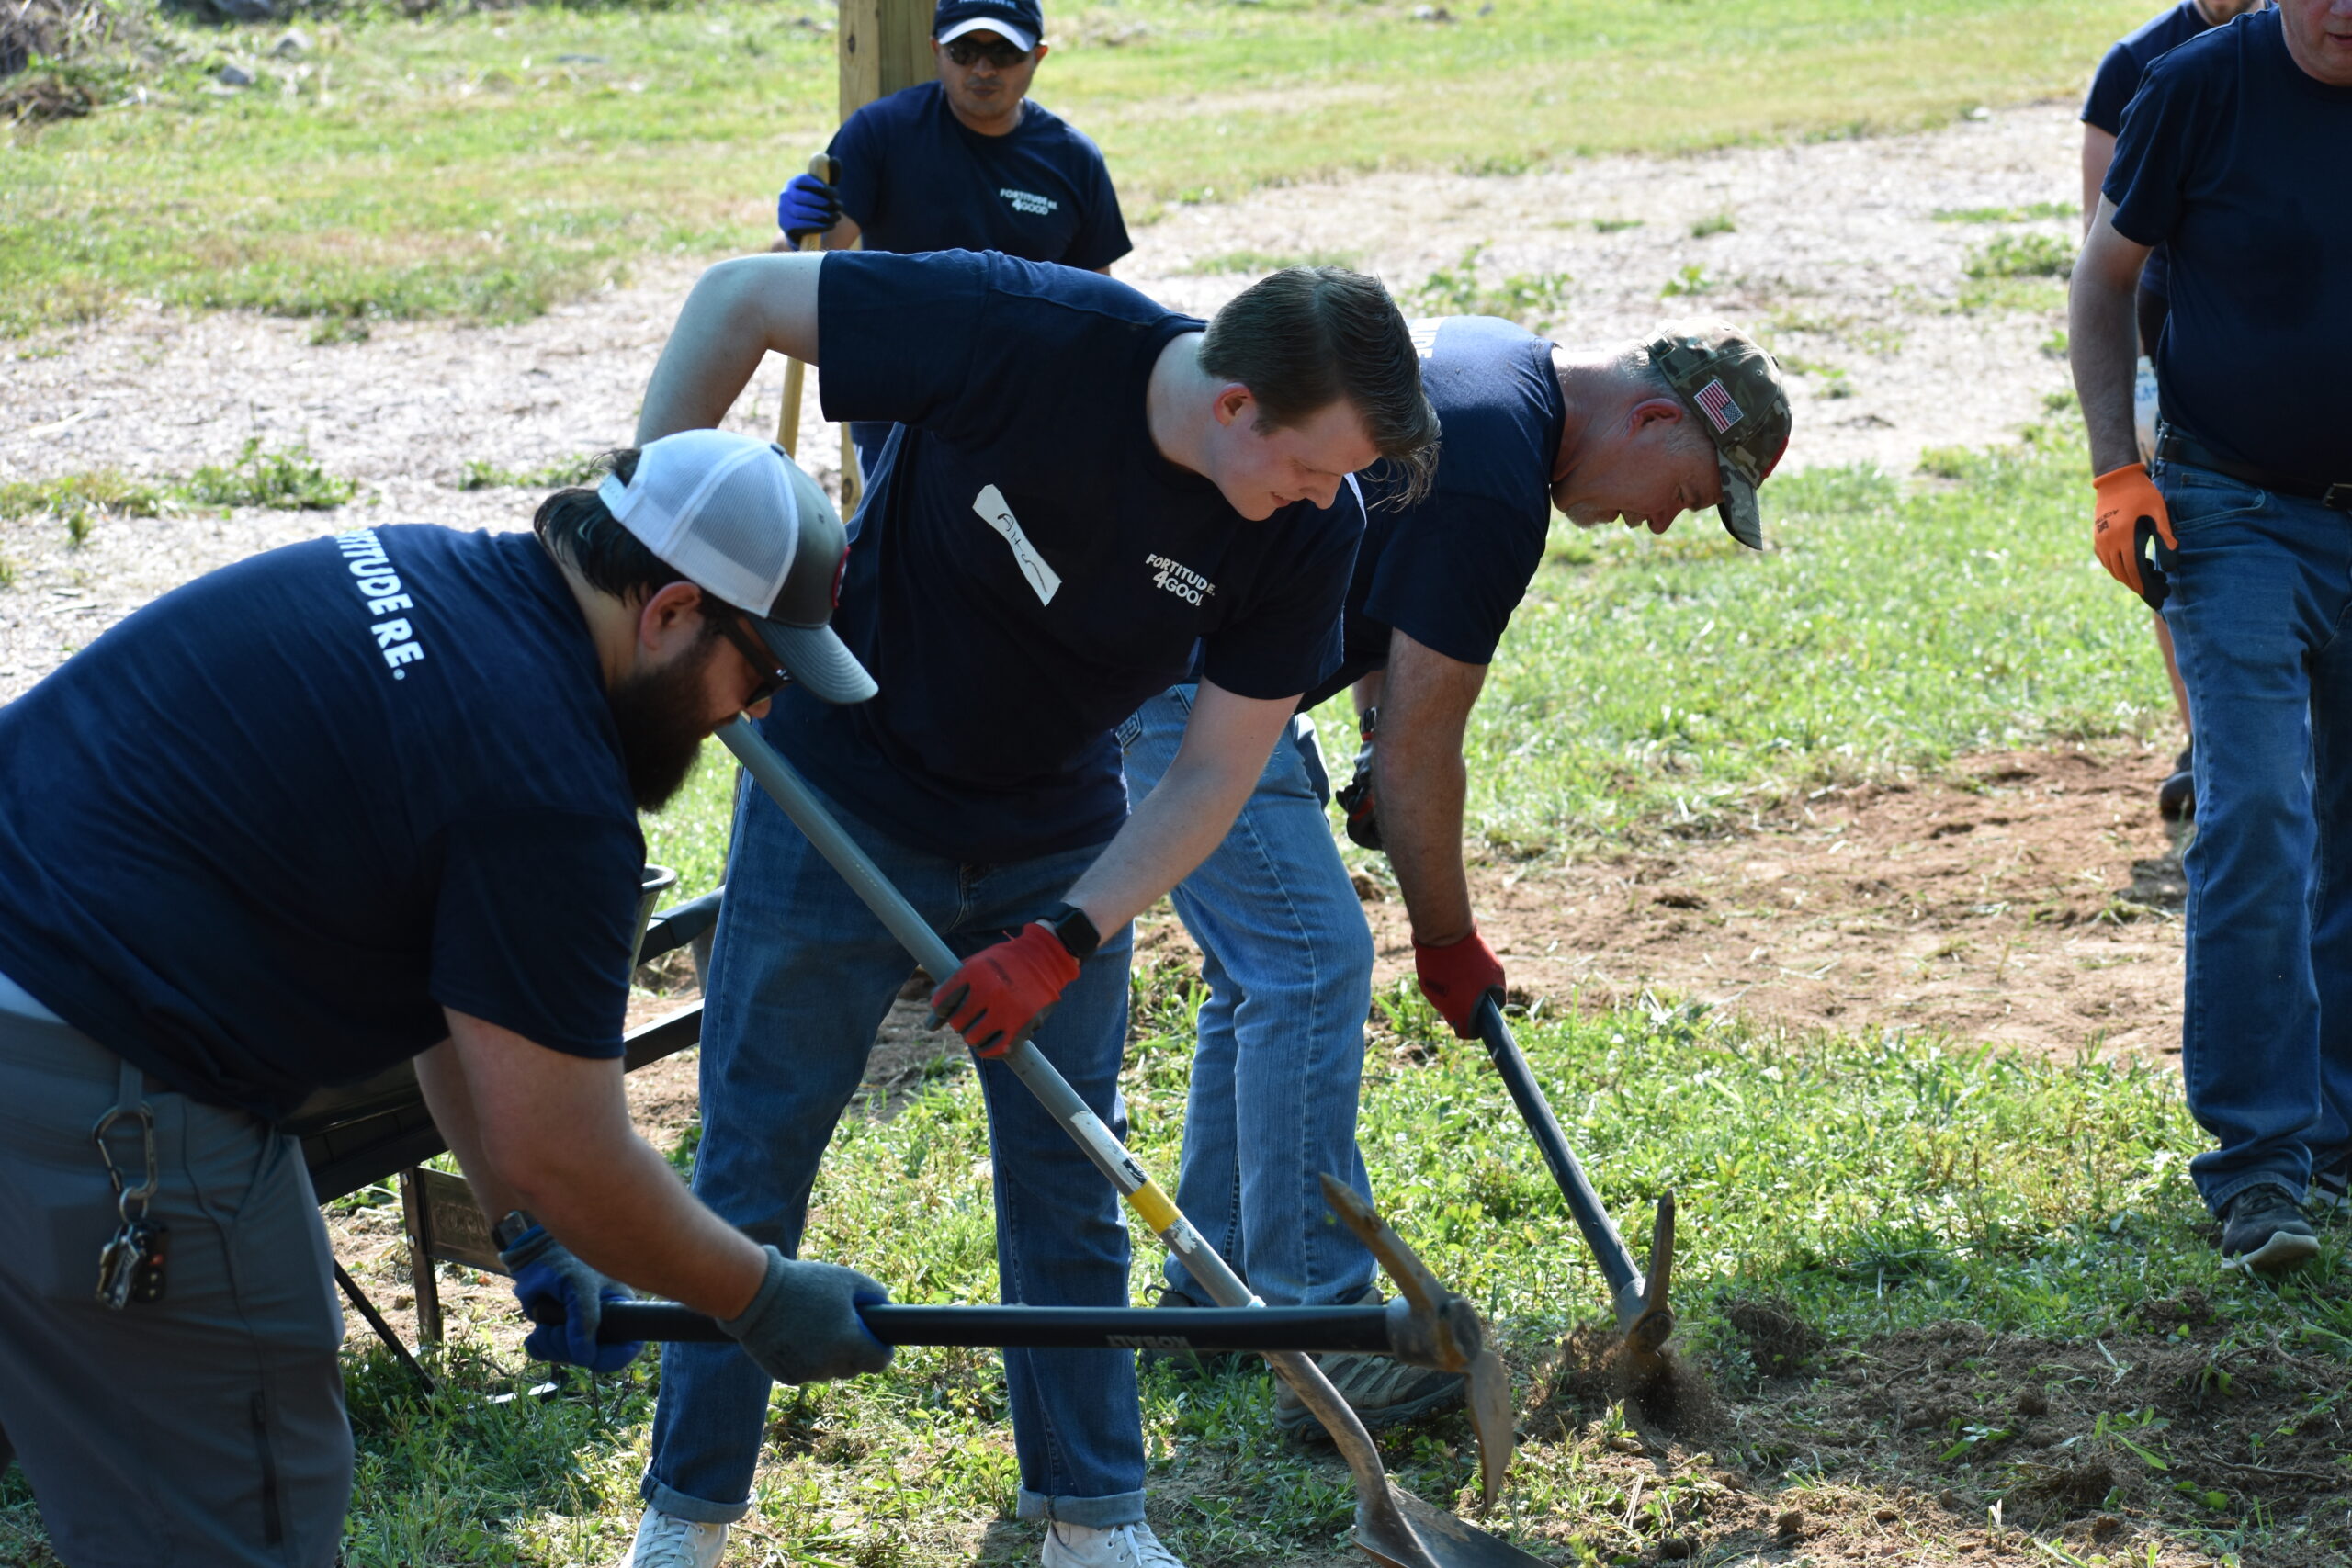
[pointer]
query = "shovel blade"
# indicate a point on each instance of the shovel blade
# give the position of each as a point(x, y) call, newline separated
point(1408, 1533)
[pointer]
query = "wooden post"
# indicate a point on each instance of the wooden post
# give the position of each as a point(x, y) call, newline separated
point(884, 45)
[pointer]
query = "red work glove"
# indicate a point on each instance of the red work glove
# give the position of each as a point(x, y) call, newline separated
point(1456, 976)
point(2130, 512)
point(997, 997)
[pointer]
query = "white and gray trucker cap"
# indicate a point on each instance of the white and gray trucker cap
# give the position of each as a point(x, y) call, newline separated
point(738, 519)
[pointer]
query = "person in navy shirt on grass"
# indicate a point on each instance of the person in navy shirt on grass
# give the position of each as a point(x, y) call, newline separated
point(2230, 159)
point(345, 804)
point(1693, 417)
point(968, 162)
point(1084, 487)
point(2111, 89)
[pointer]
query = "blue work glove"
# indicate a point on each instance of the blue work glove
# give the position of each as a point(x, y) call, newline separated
point(803, 1326)
point(807, 206)
point(548, 1280)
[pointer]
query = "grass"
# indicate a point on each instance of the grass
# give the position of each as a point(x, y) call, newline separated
point(484, 164)
point(287, 479)
point(479, 473)
point(1867, 1185)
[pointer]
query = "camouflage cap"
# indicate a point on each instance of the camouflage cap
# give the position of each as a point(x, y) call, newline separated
point(1734, 388)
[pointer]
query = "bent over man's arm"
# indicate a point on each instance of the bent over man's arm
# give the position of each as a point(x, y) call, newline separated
point(1419, 780)
point(549, 1133)
point(738, 312)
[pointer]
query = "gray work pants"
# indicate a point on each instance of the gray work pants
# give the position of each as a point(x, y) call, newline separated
point(205, 1428)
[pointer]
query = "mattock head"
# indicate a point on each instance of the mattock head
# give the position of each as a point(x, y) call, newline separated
point(1443, 1331)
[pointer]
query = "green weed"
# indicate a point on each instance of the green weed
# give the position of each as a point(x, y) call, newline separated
point(1693, 279)
point(480, 473)
point(1250, 263)
point(2007, 214)
point(2020, 255)
point(80, 499)
point(1714, 223)
point(287, 479)
point(1532, 299)
point(1615, 225)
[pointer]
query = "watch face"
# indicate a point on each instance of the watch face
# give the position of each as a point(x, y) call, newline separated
point(509, 1231)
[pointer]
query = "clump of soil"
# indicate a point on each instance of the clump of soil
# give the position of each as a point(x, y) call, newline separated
point(1778, 1343)
point(1665, 1394)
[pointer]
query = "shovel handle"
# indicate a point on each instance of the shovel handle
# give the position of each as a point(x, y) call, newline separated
point(1362, 1329)
point(1609, 1248)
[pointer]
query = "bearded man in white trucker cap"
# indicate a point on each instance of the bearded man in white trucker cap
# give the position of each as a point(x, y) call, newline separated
point(364, 799)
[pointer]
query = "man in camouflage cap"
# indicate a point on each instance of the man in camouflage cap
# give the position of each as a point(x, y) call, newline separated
point(1695, 415)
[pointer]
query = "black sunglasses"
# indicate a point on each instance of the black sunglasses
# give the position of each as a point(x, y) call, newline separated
point(971, 51)
point(760, 656)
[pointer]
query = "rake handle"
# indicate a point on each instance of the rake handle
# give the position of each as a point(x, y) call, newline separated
point(1609, 1248)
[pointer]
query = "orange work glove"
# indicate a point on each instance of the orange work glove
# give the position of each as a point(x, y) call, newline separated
point(1001, 993)
point(2131, 513)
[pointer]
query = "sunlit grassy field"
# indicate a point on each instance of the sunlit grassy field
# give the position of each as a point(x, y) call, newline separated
point(483, 164)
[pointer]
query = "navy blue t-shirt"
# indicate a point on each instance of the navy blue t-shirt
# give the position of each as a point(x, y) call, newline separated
point(1027, 567)
point(2118, 78)
point(916, 179)
point(1449, 570)
point(2231, 157)
point(258, 834)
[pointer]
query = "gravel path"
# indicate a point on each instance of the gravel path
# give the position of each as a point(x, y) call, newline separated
point(1832, 245)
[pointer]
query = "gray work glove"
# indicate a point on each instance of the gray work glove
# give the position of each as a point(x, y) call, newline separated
point(803, 1326)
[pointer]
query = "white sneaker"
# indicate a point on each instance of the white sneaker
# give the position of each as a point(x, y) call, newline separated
point(665, 1540)
point(1120, 1546)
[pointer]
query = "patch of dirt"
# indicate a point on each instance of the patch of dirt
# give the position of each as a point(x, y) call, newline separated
point(1950, 1444)
point(2020, 898)
point(1834, 247)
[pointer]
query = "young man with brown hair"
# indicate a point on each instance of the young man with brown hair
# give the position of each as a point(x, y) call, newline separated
point(1694, 416)
point(1083, 488)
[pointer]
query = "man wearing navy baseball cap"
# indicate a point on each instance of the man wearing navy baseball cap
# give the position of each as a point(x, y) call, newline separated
point(355, 802)
point(966, 162)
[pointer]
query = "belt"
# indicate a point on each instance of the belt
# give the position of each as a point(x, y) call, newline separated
point(2172, 446)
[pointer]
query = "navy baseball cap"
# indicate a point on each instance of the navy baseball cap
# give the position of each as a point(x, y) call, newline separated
point(1021, 22)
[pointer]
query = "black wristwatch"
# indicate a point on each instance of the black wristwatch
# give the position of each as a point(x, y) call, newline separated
point(1069, 922)
point(510, 1230)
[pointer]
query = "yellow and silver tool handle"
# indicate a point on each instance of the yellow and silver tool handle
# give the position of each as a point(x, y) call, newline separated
point(828, 168)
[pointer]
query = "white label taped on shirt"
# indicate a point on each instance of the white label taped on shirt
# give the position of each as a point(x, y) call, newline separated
point(1044, 580)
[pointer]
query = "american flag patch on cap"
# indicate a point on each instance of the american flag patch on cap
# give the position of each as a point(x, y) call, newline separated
point(1718, 406)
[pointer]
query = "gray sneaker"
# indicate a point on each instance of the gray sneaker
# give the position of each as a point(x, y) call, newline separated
point(1382, 1390)
point(2263, 1232)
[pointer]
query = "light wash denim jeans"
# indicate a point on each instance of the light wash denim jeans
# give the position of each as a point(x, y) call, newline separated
point(801, 976)
point(2261, 592)
point(1288, 961)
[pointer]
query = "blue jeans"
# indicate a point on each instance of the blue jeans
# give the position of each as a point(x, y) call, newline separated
point(802, 975)
point(2261, 591)
point(1288, 961)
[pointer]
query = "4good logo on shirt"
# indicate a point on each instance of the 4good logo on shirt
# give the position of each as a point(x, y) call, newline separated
point(1181, 581)
point(1028, 201)
point(380, 585)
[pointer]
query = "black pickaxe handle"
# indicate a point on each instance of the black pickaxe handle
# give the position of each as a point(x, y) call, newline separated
point(1637, 1302)
point(1356, 1328)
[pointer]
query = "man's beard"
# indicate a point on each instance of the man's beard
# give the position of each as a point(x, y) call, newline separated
point(659, 714)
